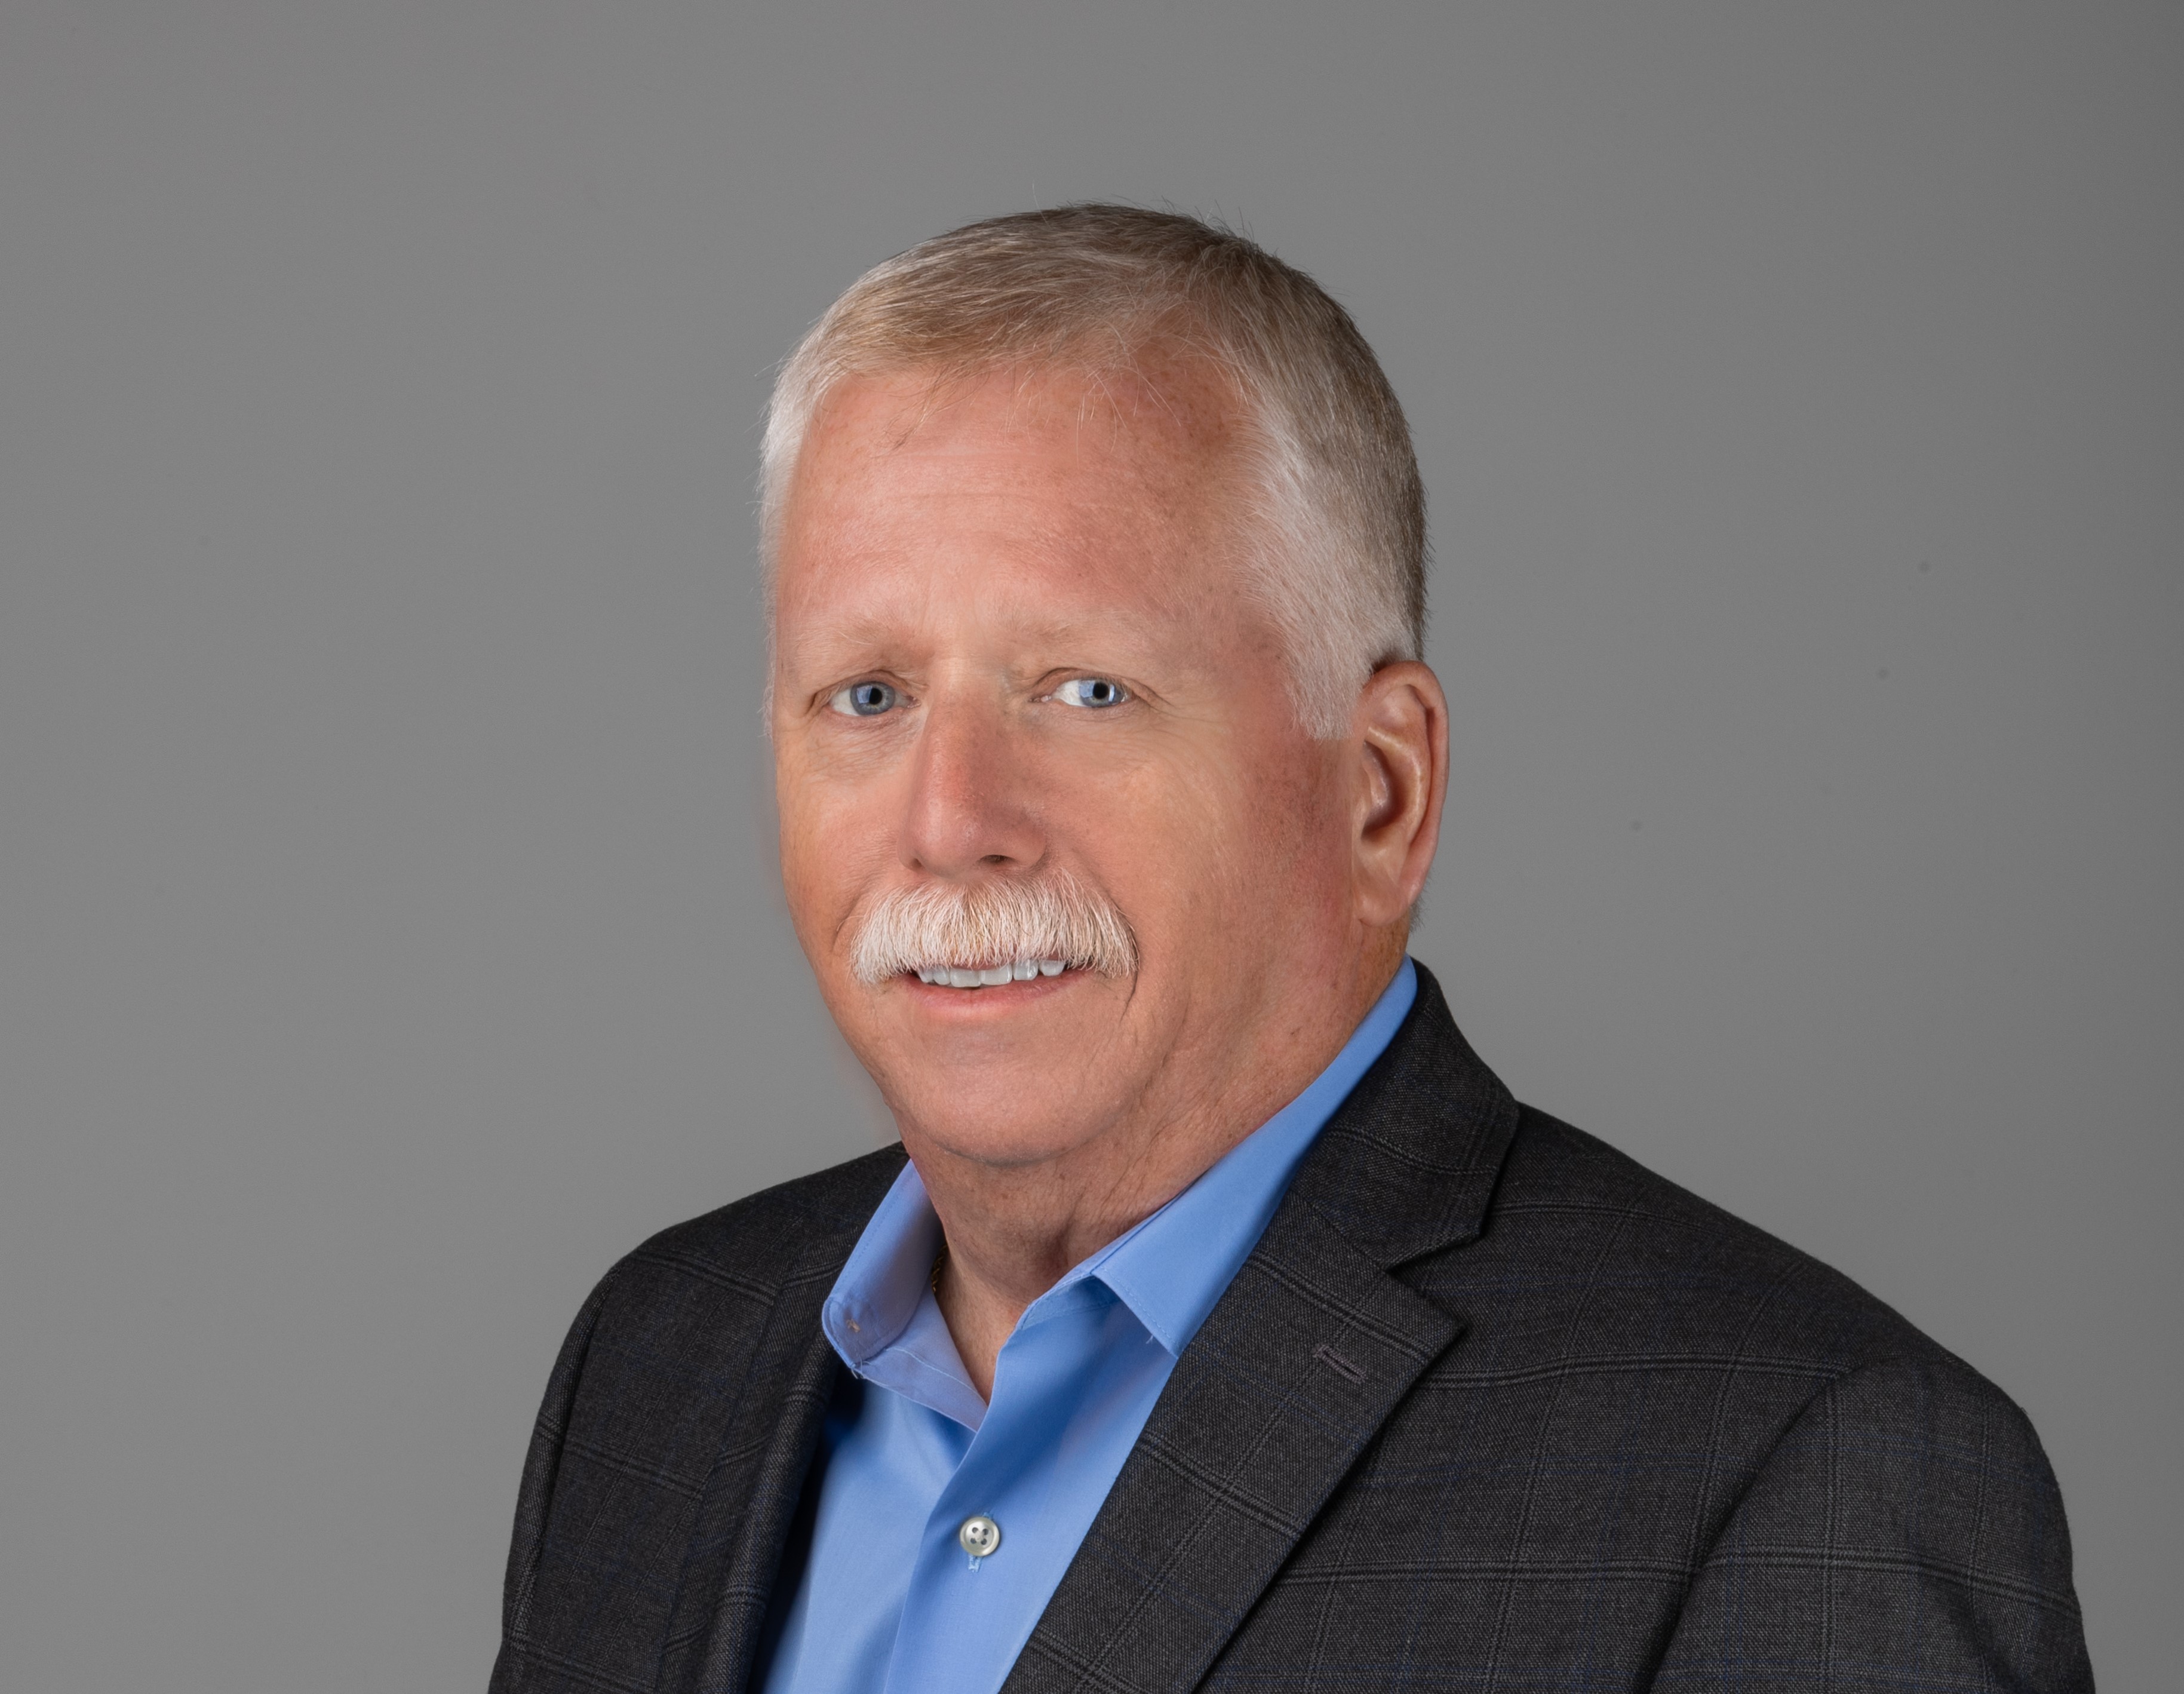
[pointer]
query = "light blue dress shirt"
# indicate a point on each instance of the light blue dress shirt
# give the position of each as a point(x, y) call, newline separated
point(888, 1599)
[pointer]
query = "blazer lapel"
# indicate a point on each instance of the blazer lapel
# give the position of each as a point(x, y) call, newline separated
point(751, 1492)
point(1308, 1353)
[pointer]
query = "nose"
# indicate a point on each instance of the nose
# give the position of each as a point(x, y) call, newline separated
point(969, 809)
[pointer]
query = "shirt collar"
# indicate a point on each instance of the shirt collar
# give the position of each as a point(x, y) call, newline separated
point(887, 1276)
point(1169, 1270)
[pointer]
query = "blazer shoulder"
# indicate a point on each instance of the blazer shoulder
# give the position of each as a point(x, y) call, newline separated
point(739, 1258)
point(689, 1352)
point(765, 1237)
point(671, 1319)
point(1706, 1278)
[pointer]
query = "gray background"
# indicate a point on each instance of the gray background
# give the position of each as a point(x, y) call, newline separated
point(388, 935)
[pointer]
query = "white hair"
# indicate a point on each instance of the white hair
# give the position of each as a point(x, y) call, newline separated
point(1341, 569)
point(997, 922)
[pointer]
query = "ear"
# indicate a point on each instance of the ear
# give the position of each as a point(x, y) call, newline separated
point(1400, 730)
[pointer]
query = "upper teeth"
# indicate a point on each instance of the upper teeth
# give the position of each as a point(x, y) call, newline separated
point(991, 976)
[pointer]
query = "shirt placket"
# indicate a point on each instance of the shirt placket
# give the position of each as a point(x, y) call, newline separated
point(966, 1614)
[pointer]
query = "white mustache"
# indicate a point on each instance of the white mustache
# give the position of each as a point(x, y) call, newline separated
point(991, 923)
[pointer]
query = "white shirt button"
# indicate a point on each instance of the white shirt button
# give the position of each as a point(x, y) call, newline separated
point(979, 1535)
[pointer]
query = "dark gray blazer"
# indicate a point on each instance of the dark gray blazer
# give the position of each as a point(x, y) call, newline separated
point(1489, 1408)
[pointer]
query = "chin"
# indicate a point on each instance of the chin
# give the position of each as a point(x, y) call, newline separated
point(1002, 1141)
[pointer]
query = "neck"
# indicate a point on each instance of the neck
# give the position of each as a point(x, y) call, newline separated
point(1013, 1231)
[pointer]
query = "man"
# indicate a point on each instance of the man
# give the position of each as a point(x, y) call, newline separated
point(1220, 1321)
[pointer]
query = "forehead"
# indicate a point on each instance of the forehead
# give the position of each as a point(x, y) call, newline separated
point(1066, 489)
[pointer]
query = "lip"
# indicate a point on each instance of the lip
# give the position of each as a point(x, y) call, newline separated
point(965, 1002)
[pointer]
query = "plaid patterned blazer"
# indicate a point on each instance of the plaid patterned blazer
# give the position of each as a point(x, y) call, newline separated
point(1489, 1408)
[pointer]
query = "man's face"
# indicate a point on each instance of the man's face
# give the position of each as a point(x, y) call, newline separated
point(1014, 646)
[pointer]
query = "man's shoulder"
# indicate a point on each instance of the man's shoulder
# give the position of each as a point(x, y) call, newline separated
point(1636, 1266)
point(765, 1242)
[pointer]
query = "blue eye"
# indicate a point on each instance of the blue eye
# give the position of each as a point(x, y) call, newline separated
point(863, 699)
point(1091, 691)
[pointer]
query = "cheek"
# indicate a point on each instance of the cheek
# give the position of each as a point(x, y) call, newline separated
point(826, 859)
point(1212, 844)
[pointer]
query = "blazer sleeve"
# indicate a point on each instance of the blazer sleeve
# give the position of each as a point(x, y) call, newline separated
point(1905, 1533)
point(534, 1498)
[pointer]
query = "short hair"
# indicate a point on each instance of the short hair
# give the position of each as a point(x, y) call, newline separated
point(1092, 285)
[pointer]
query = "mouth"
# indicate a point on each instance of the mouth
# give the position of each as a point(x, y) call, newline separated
point(969, 977)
